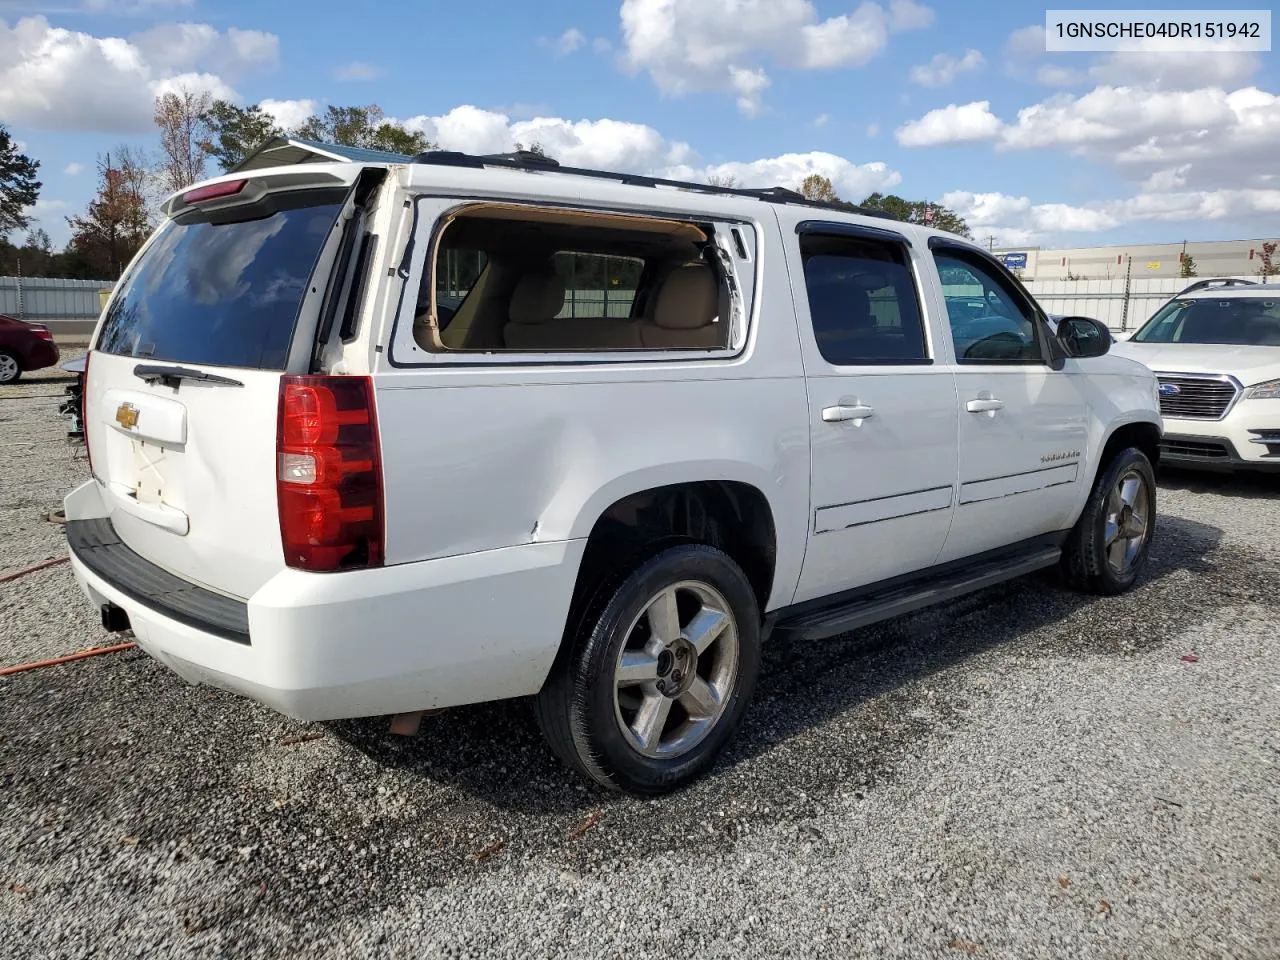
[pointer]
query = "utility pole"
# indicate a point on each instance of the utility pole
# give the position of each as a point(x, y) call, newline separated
point(991, 241)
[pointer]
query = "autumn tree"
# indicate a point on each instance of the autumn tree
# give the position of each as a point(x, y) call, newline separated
point(365, 127)
point(118, 219)
point(234, 132)
point(185, 137)
point(918, 211)
point(19, 188)
point(1188, 265)
point(817, 187)
point(1268, 251)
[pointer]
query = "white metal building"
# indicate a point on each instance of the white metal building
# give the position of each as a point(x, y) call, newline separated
point(1216, 258)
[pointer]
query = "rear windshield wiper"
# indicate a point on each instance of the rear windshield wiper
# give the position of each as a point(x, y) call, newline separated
point(172, 376)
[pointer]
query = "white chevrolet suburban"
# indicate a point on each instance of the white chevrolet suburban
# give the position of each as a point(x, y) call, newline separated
point(377, 439)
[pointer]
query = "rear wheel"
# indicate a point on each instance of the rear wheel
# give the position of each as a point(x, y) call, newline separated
point(656, 683)
point(1109, 545)
point(10, 369)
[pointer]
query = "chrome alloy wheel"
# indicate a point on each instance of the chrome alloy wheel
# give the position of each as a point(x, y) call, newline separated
point(676, 670)
point(1128, 522)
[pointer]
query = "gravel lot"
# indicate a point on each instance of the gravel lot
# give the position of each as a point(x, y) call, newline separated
point(1024, 773)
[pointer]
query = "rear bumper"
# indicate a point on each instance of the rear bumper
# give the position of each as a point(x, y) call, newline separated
point(40, 354)
point(438, 633)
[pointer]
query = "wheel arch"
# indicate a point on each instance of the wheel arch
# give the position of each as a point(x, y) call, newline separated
point(733, 515)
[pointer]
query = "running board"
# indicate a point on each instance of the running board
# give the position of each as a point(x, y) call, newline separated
point(897, 601)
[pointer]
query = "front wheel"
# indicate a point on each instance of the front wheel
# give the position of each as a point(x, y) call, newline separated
point(656, 683)
point(1109, 545)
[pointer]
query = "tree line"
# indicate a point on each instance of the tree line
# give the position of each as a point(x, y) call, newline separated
point(199, 136)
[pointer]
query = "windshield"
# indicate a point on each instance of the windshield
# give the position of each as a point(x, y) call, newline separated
point(1238, 321)
point(222, 293)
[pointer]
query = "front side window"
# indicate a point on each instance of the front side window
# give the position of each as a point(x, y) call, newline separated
point(1239, 321)
point(862, 301)
point(989, 324)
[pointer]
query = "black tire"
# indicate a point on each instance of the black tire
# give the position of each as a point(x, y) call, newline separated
point(577, 709)
point(10, 368)
point(1085, 563)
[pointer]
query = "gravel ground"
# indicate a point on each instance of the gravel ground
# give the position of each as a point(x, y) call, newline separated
point(1023, 773)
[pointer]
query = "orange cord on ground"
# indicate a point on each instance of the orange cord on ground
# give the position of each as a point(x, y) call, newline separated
point(6, 671)
point(32, 569)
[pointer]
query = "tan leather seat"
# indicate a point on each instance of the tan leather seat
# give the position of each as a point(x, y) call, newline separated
point(686, 311)
point(537, 298)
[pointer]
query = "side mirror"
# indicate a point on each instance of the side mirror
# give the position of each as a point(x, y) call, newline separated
point(1084, 337)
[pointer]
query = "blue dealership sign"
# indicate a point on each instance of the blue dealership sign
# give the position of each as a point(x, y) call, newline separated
point(1014, 261)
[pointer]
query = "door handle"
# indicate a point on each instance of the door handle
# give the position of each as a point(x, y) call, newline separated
point(987, 404)
point(858, 411)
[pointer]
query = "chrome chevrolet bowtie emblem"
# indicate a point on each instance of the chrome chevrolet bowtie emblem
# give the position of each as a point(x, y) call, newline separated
point(127, 415)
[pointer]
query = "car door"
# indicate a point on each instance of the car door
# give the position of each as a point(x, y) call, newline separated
point(882, 412)
point(1023, 426)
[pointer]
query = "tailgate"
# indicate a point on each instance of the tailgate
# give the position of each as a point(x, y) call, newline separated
point(183, 385)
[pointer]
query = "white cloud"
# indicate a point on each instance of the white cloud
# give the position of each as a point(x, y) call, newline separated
point(951, 124)
point(601, 45)
point(909, 15)
point(1165, 70)
point(636, 148)
point(749, 86)
point(853, 181)
point(944, 68)
point(873, 130)
point(190, 46)
point(1026, 43)
point(570, 41)
point(1221, 139)
point(821, 120)
point(1171, 179)
point(358, 70)
point(1017, 220)
point(196, 83)
point(133, 6)
point(73, 169)
point(289, 114)
point(52, 78)
point(694, 45)
point(609, 144)
point(1145, 65)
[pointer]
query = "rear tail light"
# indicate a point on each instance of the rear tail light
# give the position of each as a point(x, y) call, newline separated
point(42, 333)
point(329, 473)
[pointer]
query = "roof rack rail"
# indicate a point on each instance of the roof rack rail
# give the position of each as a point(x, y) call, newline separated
point(539, 163)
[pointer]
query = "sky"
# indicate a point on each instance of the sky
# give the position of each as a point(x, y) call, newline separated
point(952, 102)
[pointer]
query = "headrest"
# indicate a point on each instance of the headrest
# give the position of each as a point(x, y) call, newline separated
point(538, 296)
point(689, 298)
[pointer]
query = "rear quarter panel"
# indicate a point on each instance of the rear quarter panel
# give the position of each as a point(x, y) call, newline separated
point(502, 453)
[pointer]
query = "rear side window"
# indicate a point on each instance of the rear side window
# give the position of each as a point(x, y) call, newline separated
point(222, 292)
point(862, 301)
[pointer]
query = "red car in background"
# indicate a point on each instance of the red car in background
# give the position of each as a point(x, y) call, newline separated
point(24, 346)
